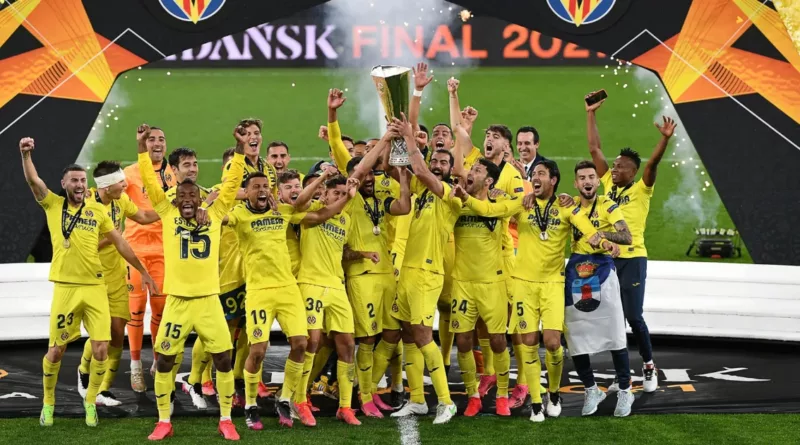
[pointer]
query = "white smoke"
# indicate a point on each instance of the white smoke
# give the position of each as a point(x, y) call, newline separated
point(115, 103)
point(694, 192)
point(385, 15)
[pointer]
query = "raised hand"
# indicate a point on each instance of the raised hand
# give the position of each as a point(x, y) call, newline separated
point(613, 248)
point(142, 133)
point(496, 193)
point(25, 145)
point(528, 201)
point(329, 170)
point(422, 139)
point(452, 85)
point(459, 192)
point(352, 187)
point(323, 133)
point(667, 129)
point(594, 106)
point(564, 200)
point(335, 98)
point(520, 167)
point(372, 256)
point(421, 78)
point(468, 117)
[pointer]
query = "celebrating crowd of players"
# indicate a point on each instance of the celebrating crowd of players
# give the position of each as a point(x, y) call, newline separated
point(353, 259)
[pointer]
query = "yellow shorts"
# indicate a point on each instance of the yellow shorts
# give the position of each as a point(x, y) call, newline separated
point(535, 301)
point(285, 303)
point(182, 315)
point(117, 292)
point(328, 305)
point(398, 253)
point(369, 293)
point(417, 294)
point(485, 300)
point(233, 302)
point(508, 269)
point(76, 303)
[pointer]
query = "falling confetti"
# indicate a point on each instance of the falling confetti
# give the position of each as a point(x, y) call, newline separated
point(346, 90)
point(92, 141)
point(430, 109)
point(140, 79)
point(140, 67)
point(625, 86)
point(634, 114)
point(169, 73)
point(635, 105)
point(692, 196)
point(92, 128)
point(116, 118)
point(116, 106)
point(702, 173)
point(465, 15)
point(683, 162)
point(602, 75)
point(292, 84)
point(108, 114)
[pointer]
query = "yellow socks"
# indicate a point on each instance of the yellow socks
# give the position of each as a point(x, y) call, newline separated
point(466, 362)
point(114, 355)
point(522, 379)
point(488, 356)
point(533, 371)
point(200, 362)
point(320, 360)
point(445, 336)
point(165, 384)
point(242, 351)
point(415, 368)
point(434, 362)
point(225, 390)
point(381, 357)
point(502, 366)
point(97, 372)
point(364, 360)
point(396, 364)
point(206, 373)
point(293, 374)
point(250, 387)
point(86, 357)
point(49, 380)
point(346, 374)
point(300, 393)
point(555, 367)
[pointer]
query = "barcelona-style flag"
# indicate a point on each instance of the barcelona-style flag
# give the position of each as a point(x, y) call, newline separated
point(581, 12)
point(192, 10)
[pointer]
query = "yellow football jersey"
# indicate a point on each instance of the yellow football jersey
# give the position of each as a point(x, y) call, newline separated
point(293, 244)
point(231, 266)
point(472, 157)
point(634, 201)
point(80, 262)
point(604, 214)
point(365, 213)
point(191, 253)
point(432, 223)
point(262, 240)
point(260, 166)
point(324, 246)
point(386, 186)
point(114, 266)
point(510, 182)
point(478, 241)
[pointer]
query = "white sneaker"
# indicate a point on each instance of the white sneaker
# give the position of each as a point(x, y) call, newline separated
point(81, 385)
point(137, 380)
point(553, 407)
point(625, 400)
point(591, 399)
point(614, 387)
point(444, 413)
point(537, 416)
point(412, 409)
point(197, 398)
point(106, 398)
point(650, 378)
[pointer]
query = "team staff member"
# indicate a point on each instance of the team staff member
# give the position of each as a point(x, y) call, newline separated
point(110, 194)
point(633, 198)
point(146, 243)
point(79, 293)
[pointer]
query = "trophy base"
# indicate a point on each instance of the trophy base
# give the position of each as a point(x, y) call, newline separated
point(398, 156)
point(399, 161)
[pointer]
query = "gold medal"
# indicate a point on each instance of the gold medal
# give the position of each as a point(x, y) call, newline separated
point(543, 236)
point(66, 243)
point(376, 230)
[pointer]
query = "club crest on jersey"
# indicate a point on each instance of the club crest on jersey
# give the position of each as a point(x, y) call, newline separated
point(455, 324)
point(192, 10)
point(342, 220)
point(553, 212)
point(64, 336)
point(311, 319)
point(258, 333)
point(581, 12)
point(165, 345)
point(89, 213)
point(523, 324)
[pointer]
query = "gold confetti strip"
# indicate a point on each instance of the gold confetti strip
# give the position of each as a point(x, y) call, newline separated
point(789, 10)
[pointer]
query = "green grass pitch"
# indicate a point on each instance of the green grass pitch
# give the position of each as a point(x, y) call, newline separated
point(198, 108)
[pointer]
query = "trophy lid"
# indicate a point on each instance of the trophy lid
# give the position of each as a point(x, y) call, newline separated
point(388, 70)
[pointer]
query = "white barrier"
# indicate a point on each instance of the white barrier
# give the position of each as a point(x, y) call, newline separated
point(681, 298)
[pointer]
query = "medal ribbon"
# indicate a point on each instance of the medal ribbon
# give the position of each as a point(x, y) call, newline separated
point(576, 233)
point(374, 213)
point(162, 172)
point(67, 230)
point(543, 222)
point(420, 202)
point(618, 197)
point(113, 208)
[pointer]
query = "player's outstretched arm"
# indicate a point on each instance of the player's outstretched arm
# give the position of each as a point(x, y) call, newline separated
point(154, 191)
point(370, 159)
point(233, 180)
point(421, 80)
point(421, 171)
point(36, 184)
point(455, 108)
point(126, 251)
point(593, 135)
point(500, 209)
point(667, 129)
point(318, 217)
point(145, 217)
point(621, 236)
point(304, 198)
point(402, 205)
point(340, 154)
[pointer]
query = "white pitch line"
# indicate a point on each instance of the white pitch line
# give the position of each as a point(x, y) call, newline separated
point(709, 81)
point(75, 73)
point(409, 433)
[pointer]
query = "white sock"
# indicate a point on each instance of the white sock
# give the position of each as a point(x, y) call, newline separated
point(164, 421)
point(248, 406)
point(136, 365)
point(649, 363)
point(223, 418)
point(398, 387)
point(592, 387)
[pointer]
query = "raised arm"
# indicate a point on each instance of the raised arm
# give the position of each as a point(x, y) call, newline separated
point(340, 154)
point(421, 170)
point(402, 205)
point(304, 198)
point(145, 217)
point(500, 209)
point(455, 108)
point(151, 185)
point(318, 217)
point(126, 251)
point(367, 164)
point(667, 129)
point(463, 132)
point(232, 183)
point(421, 80)
point(36, 184)
point(593, 135)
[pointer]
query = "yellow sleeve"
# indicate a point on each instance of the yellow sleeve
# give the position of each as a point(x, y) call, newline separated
point(227, 195)
point(642, 188)
point(416, 187)
point(453, 203)
point(127, 206)
point(472, 157)
point(106, 225)
point(614, 213)
point(606, 181)
point(581, 222)
point(500, 209)
point(272, 174)
point(232, 218)
point(340, 154)
point(49, 200)
point(151, 184)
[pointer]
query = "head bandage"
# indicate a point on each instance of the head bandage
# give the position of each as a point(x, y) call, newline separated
point(109, 179)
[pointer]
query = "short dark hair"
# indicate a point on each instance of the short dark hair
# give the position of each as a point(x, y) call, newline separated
point(255, 175)
point(503, 130)
point(585, 164)
point(105, 168)
point(425, 129)
point(492, 170)
point(351, 164)
point(552, 168)
point(632, 155)
point(72, 168)
point(529, 129)
point(189, 182)
point(228, 154)
point(447, 152)
point(288, 175)
point(359, 142)
point(336, 180)
point(179, 153)
point(278, 144)
point(251, 121)
point(442, 124)
point(348, 138)
point(307, 179)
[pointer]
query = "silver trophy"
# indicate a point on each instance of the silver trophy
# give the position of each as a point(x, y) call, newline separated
point(392, 83)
